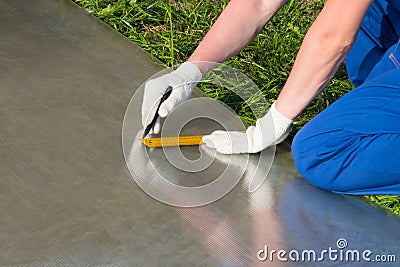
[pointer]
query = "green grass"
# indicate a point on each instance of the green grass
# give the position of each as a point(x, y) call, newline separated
point(170, 31)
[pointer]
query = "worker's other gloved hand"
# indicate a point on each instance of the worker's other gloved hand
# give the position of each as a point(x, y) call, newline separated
point(271, 129)
point(182, 80)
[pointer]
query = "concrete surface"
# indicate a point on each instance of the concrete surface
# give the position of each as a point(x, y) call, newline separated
point(67, 197)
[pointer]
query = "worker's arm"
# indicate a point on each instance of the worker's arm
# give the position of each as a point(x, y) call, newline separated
point(324, 48)
point(235, 28)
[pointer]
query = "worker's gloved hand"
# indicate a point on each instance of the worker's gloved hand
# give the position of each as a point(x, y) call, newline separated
point(182, 80)
point(271, 129)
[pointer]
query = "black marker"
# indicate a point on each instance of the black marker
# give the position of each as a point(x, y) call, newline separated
point(163, 98)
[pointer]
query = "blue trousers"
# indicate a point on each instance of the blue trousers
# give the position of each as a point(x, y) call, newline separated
point(353, 146)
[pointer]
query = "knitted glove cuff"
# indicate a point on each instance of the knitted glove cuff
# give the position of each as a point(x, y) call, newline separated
point(281, 124)
point(189, 72)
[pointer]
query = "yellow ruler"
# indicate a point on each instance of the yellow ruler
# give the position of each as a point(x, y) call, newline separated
point(190, 140)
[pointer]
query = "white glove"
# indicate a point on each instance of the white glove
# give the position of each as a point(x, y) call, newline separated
point(271, 129)
point(182, 80)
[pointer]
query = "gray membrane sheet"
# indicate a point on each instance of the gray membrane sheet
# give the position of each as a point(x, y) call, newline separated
point(67, 197)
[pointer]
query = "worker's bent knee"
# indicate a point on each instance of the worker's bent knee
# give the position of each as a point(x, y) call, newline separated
point(315, 158)
point(304, 158)
point(347, 162)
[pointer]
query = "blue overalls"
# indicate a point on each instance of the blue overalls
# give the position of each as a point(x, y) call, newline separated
point(353, 146)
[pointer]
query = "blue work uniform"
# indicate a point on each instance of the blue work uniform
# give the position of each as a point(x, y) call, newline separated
point(353, 146)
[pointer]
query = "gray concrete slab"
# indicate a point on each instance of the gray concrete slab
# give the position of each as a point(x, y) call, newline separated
point(67, 197)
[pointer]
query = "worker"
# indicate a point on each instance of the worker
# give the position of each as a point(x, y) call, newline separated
point(351, 147)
